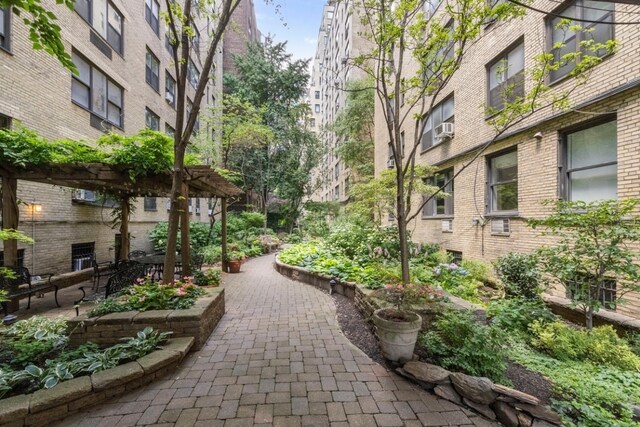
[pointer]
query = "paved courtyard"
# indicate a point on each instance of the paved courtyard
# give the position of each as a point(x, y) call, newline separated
point(277, 358)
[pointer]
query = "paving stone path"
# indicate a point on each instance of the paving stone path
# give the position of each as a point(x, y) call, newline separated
point(277, 358)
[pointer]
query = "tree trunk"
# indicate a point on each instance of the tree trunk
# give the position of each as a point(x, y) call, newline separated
point(224, 235)
point(174, 217)
point(589, 318)
point(10, 221)
point(124, 228)
point(185, 243)
point(402, 225)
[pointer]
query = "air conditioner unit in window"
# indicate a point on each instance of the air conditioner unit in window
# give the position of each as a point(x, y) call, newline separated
point(197, 211)
point(444, 131)
point(447, 225)
point(190, 209)
point(84, 195)
point(391, 163)
point(501, 226)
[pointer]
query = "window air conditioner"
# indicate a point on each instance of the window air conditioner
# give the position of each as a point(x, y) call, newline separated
point(84, 195)
point(444, 131)
point(197, 211)
point(501, 226)
point(447, 225)
point(391, 163)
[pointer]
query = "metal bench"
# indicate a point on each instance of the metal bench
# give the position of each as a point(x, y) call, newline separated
point(126, 275)
point(22, 285)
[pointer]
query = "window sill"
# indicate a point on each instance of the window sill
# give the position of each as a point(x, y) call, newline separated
point(505, 214)
point(436, 217)
point(433, 147)
point(102, 118)
point(501, 234)
point(151, 210)
point(6, 50)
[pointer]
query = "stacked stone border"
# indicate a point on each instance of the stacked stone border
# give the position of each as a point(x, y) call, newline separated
point(198, 322)
point(511, 407)
point(43, 407)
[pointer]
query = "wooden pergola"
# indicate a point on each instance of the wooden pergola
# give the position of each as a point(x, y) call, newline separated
point(201, 181)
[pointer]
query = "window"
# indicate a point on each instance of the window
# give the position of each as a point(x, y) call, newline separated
point(506, 78)
point(456, 256)
point(94, 91)
point(169, 130)
point(317, 108)
point(312, 122)
point(336, 172)
point(196, 41)
point(590, 167)
point(439, 205)
point(503, 182)
point(152, 14)
point(104, 18)
point(607, 293)
point(600, 32)
point(169, 89)
point(5, 23)
point(167, 44)
point(152, 71)
point(193, 75)
point(317, 94)
point(5, 122)
point(150, 204)
point(151, 119)
point(441, 113)
point(430, 7)
point(336, 192)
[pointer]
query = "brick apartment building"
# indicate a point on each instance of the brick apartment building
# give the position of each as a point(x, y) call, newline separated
point(242, 31)
point(125, 83)
point(339, 41)
point(587, 153)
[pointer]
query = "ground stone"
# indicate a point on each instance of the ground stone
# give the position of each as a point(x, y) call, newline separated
point(427, 372)
point(505, 414)
point(482, 409)
point(478, 389)
point(446, 391)
point(515, 394)
point(524, 419)
point(541, 412)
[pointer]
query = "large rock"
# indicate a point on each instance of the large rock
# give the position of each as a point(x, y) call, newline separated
point(482, 409)
point(516, 395)
point(478, 389)
point(446, 391)
point(525, 419)
point(427, 372)
point(636, 413)
point(541, 412)
point(505, 414)
point(542, 423)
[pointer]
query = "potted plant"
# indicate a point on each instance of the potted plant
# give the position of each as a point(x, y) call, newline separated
point(397, 327)
point(234, 260)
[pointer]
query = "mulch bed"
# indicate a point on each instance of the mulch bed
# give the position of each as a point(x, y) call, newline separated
point(360, 332)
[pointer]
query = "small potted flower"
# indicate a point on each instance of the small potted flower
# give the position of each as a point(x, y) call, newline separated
point(234, 260)
point(397, 327)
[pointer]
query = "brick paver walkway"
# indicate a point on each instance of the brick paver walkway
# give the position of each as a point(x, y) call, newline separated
point(277, 358)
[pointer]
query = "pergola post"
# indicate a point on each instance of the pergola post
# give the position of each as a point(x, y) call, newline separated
point(124, 228)
point(224, 235)
point(185, 251)
point(10, 220)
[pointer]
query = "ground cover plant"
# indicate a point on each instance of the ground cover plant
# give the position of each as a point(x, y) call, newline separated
point(151, 295)
point(34, 354)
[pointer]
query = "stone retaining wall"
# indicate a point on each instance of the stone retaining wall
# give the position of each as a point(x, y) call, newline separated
point(198, 322)
point(44, 407)
point(511, 407)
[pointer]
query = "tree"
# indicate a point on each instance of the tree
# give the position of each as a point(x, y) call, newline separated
point(44, 33)
point(273, 83)
point(414, 57)
point(181, 19)
point(592, 251)
point(354, 127)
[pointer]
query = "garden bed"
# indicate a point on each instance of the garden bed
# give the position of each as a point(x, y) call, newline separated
point(45, 406)
point(198, 322)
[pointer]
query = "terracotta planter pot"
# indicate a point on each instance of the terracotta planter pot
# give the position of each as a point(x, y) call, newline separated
point(397, 332)
point(234, 266)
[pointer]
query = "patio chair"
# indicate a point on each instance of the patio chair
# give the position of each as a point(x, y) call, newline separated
point(100, 270)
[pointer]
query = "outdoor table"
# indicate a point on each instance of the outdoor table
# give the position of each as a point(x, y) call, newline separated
point(155, 264)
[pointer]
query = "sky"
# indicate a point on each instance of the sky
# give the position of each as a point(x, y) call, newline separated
point(295, 21)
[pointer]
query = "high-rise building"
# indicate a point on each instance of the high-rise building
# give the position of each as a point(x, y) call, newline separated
point(339, 42)
point(242, 30)
point(125, 82)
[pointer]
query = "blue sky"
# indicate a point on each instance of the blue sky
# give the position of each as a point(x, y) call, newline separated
point(297, 22)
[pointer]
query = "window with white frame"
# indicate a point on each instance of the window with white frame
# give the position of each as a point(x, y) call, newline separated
point(5, 24)
point(152, 71)
point(193, 74)
point(105, 18)
point(440, 206)
point(152, 14)
point(441, 113)
point(503, 182)
point(169, 89)
point(152, 120)
point(506, 77)
point(564, 39)
point(93, 90)
point(590, 169)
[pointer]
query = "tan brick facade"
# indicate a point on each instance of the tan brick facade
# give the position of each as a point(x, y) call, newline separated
point(613, 90)
point(36, 93)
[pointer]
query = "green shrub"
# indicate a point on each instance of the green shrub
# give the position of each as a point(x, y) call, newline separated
point(478, 270)
point(601, 346)
point(209, 277)
point(517, 314)
point(520, 275)
point(457, 281)
point(458, 342)
point(198, 236)
point(211, 254)
point(252, 219)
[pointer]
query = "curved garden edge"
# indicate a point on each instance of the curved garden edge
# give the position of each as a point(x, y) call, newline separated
point(507, 405)
point(47, 405)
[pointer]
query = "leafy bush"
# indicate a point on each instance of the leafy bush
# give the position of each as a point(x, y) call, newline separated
point(458, 342)
point(520, 275)
point(35, 338)
point(588, 395)
point(212, 254)
point(210, 277)
point(517, 314)
point(601, 345)
point(198, 238)
point(457, 281)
